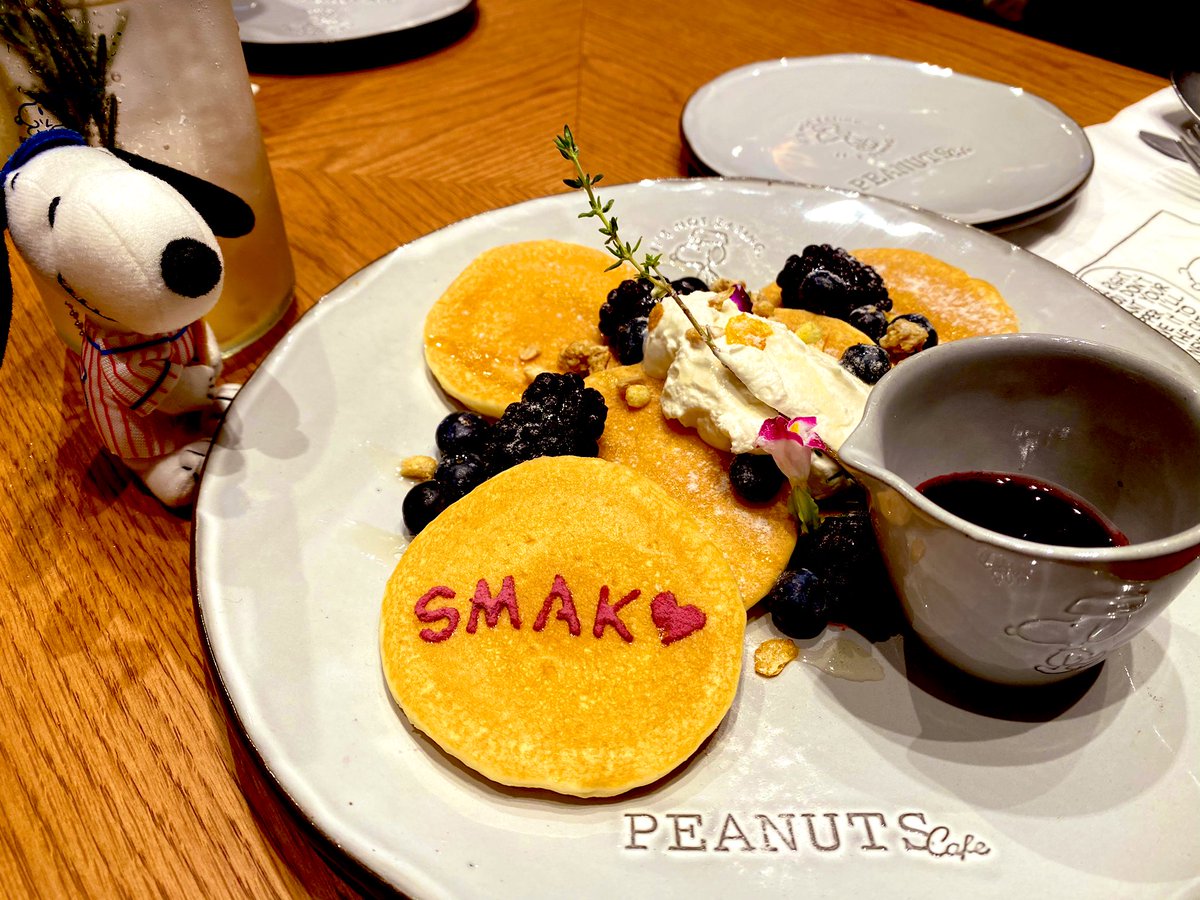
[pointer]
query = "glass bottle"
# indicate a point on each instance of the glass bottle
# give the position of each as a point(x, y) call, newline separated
point(175, 89)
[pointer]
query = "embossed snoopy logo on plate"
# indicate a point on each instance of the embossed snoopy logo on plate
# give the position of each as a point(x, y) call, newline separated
point(844, 132)
point(703, 245)
point(871, 157)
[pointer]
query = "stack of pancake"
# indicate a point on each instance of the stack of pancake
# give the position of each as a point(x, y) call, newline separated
point(575, 624)
point(545, 295)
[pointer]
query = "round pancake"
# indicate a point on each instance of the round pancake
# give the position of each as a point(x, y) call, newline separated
point(957, 305)
point(613, 645)
point(510, 301)
point(756, 538)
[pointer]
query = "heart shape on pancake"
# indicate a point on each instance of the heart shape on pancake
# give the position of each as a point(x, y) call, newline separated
point(675, 621)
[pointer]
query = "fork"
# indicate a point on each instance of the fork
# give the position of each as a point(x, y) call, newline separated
point(1189, 143)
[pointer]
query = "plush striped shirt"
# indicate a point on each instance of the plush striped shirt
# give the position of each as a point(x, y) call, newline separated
point(126, 376)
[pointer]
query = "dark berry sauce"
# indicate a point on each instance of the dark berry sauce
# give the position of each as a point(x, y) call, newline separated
point(1022, 507)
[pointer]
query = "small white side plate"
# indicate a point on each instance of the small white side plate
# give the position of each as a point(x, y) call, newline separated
point(975, 150)
point(325, 21)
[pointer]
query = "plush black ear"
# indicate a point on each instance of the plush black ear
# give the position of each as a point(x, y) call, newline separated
point(227, 214)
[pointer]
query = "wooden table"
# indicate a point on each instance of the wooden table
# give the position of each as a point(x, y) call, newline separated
point(118, 774)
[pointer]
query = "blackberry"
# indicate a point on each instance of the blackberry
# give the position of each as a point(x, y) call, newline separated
point(689, 284)
point(862, 285)
point(628, 343)
point(866, 362)
point(870, 320)
point(844, 556)
point(628, 300)
point(755, 477)
point(799, 604)
point(556, 416)
point(462, 432)
point(842, 544)
point(422, 504)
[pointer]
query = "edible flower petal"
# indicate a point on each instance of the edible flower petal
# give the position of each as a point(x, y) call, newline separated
point(791, 443)
point(741, 298)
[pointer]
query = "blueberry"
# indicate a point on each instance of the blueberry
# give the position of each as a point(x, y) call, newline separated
point(798, 604)
point(826, 294)
point(755, 477)
point(867, 362)
point(870, 320)
point(688, 284)
point(462, 432)
point(422, 504)
point(460, 474)
point(932, 339)
point(629, 342)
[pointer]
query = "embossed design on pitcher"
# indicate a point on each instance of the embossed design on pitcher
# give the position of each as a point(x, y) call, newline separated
point(1094, 629)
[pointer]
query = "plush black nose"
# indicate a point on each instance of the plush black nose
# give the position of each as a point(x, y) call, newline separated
point(190, 268)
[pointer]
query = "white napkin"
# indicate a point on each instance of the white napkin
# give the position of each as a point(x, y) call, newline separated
point(1134, 231)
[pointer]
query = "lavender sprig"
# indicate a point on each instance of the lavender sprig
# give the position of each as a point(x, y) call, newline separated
point(70, 62)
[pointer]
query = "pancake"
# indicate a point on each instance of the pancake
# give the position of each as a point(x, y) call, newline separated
point(957, 305)
point(832, 335)
point(613, 643)
point(514, 306)
point(756, 538)
point(835, 334)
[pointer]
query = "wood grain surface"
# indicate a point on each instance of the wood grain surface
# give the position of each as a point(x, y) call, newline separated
point(119, 775)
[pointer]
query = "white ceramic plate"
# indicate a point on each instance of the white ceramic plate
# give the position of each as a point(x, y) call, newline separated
point(978, 151)
point(323, 21)
point(298, 527)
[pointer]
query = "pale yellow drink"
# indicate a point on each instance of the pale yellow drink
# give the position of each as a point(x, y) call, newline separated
point(184, 99)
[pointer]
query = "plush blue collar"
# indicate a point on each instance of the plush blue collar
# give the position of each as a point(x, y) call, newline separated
point(36, 143)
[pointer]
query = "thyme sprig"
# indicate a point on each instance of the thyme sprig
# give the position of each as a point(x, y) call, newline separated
point(801, 501)
point(70, 62)
point(647, 266)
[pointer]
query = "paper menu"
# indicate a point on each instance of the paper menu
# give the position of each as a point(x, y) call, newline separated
point(1134, 231)
point(1155, 274)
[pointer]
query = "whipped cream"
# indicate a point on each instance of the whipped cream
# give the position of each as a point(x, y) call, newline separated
point(777, 374)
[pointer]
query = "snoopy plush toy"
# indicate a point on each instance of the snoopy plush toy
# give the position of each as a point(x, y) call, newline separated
point(132, 243)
